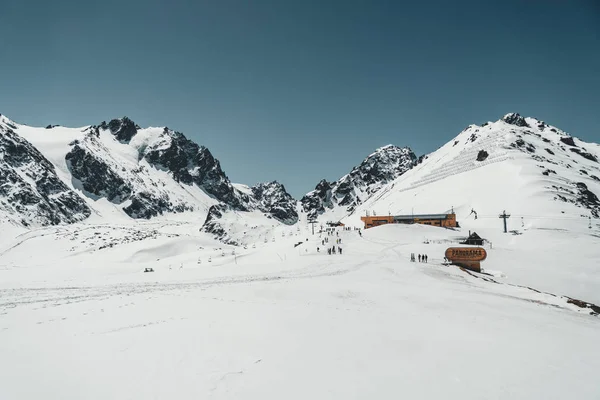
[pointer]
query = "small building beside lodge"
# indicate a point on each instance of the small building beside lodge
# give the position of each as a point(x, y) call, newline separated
point(473, 239)
point(441, 220)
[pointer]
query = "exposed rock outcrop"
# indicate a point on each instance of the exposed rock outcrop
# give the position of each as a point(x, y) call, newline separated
point(384, 165)
point(30, 188)
point(273, 199)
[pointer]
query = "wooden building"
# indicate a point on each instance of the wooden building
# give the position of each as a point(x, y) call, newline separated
point(473, 239)
point(441, 220)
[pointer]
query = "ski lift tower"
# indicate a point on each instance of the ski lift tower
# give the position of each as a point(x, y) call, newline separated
point(504, 216)
point(313, 222)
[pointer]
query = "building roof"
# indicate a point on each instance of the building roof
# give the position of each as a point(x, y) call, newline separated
point(420, 216)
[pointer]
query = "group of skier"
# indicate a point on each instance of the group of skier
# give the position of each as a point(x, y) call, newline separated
point(336, 248)
point(421, 257)
point(331, 250)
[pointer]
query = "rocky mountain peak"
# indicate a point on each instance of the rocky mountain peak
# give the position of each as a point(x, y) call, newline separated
point(323, 186)
point(190, 163)
point(382, 166)
point(515, 119)
point(273, 199)
point(123, 128)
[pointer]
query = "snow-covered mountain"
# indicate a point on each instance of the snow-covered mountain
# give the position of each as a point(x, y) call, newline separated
point(273, 199)
point(545, 179)
point(118, 170)
point(62, 175)
point(384, 165)
point(519, 164)
point(30, 189)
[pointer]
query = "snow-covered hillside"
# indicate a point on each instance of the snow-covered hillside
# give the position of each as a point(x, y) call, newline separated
point(80, 319)
point(547, 180)
point(519, 164)
point(117, 171)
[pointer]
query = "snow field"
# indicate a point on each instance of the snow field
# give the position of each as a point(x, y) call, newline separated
point(365, 324)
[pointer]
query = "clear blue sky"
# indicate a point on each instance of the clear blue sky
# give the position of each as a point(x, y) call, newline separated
point(302, 90)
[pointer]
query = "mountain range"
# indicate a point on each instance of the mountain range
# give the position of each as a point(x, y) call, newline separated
point(118, 170)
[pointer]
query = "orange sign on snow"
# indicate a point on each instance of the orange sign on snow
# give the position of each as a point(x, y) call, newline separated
point(472, 254)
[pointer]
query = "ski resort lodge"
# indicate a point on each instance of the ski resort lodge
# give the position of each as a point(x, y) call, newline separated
point(442, 220)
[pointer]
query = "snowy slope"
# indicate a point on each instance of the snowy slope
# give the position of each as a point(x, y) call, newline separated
point(274, 321)
point(548, 182)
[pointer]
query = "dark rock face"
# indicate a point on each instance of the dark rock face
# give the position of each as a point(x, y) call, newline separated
point(123, 129)
point(568, 141)
point(190, 163)
point(482, 155)
point(96, 176)
point(588, 199)
point(213, 226)
point(314, 203)
point(381, 167)
point(47, 201)
point(147, 205)
point(586, 155)
point(523, 146)
point(273, 199)
point(515, 119)
point(385, 165)
point(100, 177)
